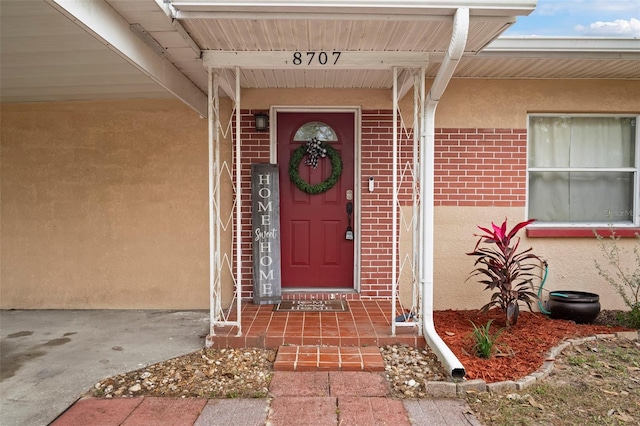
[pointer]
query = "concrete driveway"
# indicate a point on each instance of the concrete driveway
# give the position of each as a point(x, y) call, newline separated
point(48, 359)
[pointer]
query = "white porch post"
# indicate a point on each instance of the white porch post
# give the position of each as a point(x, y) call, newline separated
point(238, 236)
point(213, 146)
point(394, 204)
point(219, 316)
point(418, 113)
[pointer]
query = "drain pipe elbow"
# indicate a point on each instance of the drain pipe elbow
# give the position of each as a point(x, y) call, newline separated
point(443, 352)
point(459, 34)
point(454, 53)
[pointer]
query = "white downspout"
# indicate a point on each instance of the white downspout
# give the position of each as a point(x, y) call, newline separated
point(427, 164)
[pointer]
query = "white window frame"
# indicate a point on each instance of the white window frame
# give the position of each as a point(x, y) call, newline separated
point(635, 170)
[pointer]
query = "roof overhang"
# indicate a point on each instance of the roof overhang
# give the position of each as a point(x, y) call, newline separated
point(130, 42)
point(54, 50)
point(584, 47)
point(339, 44)
point(555, 58)
point(345, 9)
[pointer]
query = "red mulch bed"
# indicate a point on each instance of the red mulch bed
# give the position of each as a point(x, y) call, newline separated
point(521, 348)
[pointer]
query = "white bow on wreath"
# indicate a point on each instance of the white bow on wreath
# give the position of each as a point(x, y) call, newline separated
point(314, 152)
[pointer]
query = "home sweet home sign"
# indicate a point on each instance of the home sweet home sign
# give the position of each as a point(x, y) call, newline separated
point(265, 224)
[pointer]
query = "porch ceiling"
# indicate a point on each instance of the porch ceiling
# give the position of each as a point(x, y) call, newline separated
point(48, 54)
point(345, 36)
point(44, 56)
point(336, 26)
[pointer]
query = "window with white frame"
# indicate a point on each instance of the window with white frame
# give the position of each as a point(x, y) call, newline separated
point(583, 170)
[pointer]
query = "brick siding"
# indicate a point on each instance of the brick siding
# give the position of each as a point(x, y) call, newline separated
point(480, 167)
point(474, 167)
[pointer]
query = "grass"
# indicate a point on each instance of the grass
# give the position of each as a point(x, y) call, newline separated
point(594, 384)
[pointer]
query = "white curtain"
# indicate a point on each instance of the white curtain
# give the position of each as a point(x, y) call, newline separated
point(581, 142)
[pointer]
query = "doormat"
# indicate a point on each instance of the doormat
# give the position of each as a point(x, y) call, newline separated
point(312, 306)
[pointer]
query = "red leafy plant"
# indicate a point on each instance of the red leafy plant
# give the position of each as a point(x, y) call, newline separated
point(504, 270)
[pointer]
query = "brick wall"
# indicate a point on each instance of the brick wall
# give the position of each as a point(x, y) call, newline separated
point(376, 210)
point(474, 167)
point(480, 167)
point(255, 149)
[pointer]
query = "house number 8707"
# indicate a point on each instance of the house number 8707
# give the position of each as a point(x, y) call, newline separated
point(321, 58)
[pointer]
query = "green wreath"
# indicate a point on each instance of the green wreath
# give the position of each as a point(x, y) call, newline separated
point(294, 173)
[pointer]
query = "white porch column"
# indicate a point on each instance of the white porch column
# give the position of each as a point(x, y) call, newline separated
point(394, 204)
point(214, 239)
point(238, 229)
point(219, 172)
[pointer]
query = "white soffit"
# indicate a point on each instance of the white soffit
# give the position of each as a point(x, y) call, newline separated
point(331, 35)
point(132, 42)
point(44, 56)
point(261, 37)
point(372, 25)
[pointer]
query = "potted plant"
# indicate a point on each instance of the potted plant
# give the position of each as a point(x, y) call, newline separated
point(504, 270)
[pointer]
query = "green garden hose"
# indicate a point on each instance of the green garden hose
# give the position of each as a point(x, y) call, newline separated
point(544, 278)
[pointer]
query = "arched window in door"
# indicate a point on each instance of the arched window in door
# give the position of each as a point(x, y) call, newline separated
point(317, 129)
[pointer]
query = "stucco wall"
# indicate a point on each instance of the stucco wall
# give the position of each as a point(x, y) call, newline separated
point(104, 205)
point(505, 104)
point(469, 103)
point(571, 260)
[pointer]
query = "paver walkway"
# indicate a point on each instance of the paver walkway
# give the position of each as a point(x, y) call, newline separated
point(296, 398)
point(328, 358)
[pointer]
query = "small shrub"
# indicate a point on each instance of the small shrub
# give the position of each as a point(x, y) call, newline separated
point(626, 281)
point(484, 340)
point(504, 270)
point(630, 318)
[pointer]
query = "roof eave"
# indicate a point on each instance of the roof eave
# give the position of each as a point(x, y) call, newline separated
point(565, 46)
point(186, 9)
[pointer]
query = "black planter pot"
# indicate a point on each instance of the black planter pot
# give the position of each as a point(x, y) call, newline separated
point(577, 306)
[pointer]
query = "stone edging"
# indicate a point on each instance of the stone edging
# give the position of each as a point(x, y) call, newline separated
point(456, 390)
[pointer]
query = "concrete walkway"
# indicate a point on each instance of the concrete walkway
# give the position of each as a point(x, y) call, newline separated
point(50, 358)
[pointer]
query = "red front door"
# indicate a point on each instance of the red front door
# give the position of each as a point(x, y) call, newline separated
point(315, 250)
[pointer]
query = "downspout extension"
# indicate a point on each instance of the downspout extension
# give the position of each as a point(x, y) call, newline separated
point(449, 63)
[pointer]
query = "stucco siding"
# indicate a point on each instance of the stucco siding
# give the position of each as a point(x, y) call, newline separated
point(104, 204)
point(469, 103)
point(571, 260)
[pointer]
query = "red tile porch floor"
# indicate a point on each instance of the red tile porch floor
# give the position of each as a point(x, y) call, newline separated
point(327, 341)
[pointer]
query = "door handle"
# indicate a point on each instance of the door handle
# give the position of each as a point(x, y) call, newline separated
point(349, 234)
